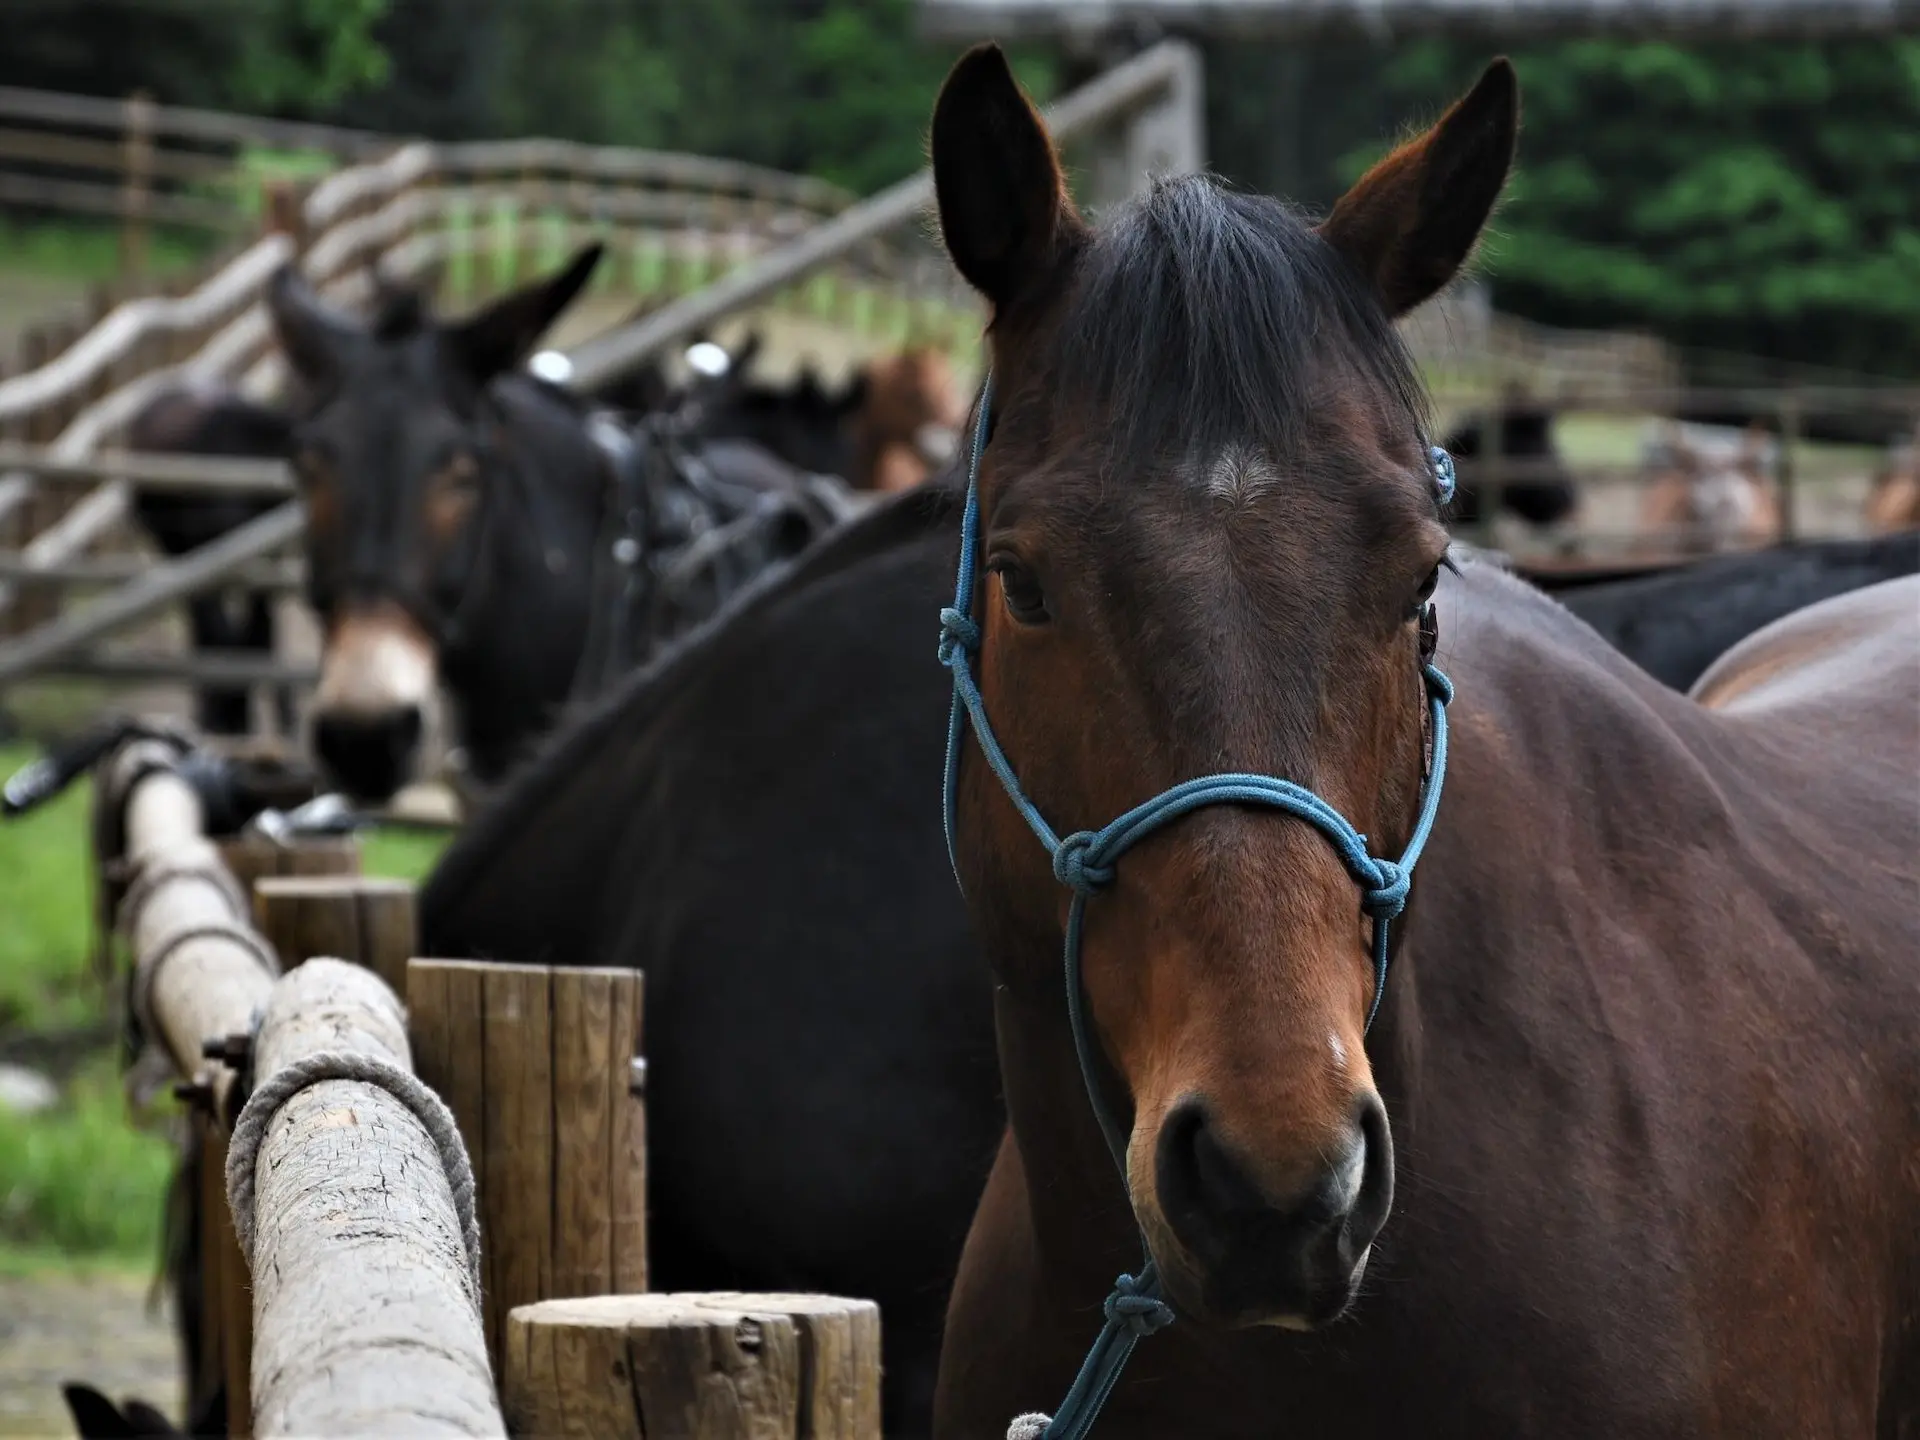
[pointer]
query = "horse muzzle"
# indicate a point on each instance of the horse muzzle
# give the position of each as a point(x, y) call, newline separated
point(1240, 1255)
point(377, 684)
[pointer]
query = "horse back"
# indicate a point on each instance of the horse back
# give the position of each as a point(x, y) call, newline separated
point(1837, 682)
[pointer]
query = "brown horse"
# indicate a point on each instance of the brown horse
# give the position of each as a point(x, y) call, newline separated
point(1894, 503)
point(1650, 1050)
point(1708, 494)
point(908, 420)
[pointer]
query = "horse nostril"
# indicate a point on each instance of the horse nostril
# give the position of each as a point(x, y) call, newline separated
point(1209, 1197)
point(1202, 1184)
point(370, 755)
point(1369, 1208)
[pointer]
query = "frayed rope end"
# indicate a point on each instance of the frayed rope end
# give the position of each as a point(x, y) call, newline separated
point(1029, 1427)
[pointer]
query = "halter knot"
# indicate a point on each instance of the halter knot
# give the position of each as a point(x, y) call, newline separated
point(1070, 865)
point(959, 635)
point(1387, 896)
point(1134, 1306)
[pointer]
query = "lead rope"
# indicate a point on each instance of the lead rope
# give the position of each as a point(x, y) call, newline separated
point(1084, 862)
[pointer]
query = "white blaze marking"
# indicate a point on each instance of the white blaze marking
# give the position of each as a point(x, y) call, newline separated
point(1239, 474)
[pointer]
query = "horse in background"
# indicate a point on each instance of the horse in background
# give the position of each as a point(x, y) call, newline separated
point(1542, 492)
point(1708, 490)
point(203, 418)
point(1894, 503)
point(473, 529)
point(892, 423)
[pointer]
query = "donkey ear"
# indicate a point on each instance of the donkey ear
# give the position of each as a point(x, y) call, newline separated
point(1411, 221)
point(499, 337)
point(314, 336)
point(1004, 210)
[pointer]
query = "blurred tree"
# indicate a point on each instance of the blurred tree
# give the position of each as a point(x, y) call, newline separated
point(1745, 196)
point(292, 57)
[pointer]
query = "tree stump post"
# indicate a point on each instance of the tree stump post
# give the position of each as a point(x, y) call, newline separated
point(694, 1367)
point(369, 921)
point(253, 857)
point(538, 1066)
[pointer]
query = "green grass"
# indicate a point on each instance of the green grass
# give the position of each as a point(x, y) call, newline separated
point(402, 854)
point(81, 1183)
point(79, 1179)
point(78, 253)
point(45, 911)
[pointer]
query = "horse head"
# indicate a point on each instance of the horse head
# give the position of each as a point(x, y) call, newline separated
point(907, 421)
point(1208, 532)
point(420, 466)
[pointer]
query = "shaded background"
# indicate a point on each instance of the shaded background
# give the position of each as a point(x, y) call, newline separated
point(1752, 196)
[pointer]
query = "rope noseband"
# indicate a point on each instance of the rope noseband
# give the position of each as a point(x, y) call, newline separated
point(1084, 862)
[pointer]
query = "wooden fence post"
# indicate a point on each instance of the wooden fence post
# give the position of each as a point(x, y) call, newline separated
point(538, 1066)
point(360, 918)
point(252, 857)
point(694, 1367)
point(136, 195)
point(226, 1301)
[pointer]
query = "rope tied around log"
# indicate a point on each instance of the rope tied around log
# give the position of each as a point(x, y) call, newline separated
point(250, 1131)
point(147, 878)
point(151, 1065)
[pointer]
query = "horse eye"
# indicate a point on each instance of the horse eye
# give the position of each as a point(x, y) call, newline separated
point(1427, 587)
point(1026, 602)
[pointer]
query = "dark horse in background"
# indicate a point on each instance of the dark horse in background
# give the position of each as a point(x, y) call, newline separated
point(475, 530)
point(755, 822)
point(893, 423)
point(1520, 433)
point(210, 420)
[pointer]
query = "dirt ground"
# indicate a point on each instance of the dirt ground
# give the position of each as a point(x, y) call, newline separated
point(96, 1328)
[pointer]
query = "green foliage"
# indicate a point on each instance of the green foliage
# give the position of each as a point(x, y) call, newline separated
point(841, 89)
point(307, 55)
point(293, 57)
point(1744, 195)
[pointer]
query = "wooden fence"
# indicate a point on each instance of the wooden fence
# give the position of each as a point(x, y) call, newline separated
point(398, 1203)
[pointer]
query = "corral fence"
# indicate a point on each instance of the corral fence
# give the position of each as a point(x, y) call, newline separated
point(429, 1215)
point(133, 169)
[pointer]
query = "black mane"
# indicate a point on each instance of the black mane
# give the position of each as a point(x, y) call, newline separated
point(1199, 315)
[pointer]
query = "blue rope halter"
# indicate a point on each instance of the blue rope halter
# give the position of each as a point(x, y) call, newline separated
point(1084, 862)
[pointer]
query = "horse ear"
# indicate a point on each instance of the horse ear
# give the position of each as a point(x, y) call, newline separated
point(853, 395)
point(1411, 221)
point(313, 335)
point(749, 351)
point(499, 337)
point(1004, 209)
